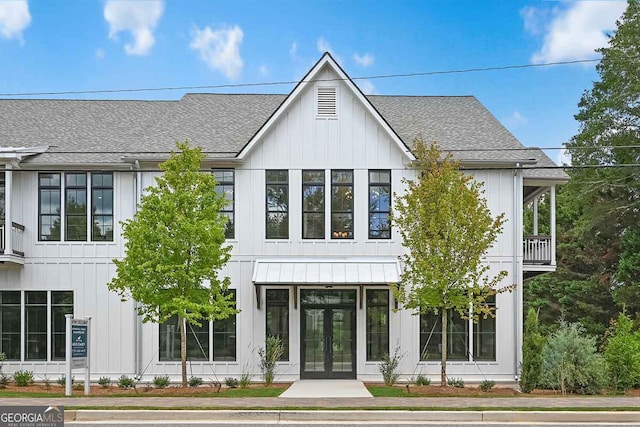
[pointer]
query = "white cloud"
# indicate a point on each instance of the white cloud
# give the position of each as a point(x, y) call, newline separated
point(220, 49)
point(138, 17)
point(100, 53)
point(293, 51)
point(573, 32)
point(324, 46)
point(14, 18)
point(365, 60)
point(366, 87)
point(264, 70)
point(515, 119)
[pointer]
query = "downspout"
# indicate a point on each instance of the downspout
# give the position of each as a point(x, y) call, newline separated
point(517, 238)
point(137, 190)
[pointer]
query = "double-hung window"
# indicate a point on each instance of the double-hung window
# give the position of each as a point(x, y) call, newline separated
point(313, 204)
point(379, 204)
point(226, 185)
point(431, 336)
point(73, 216)
point(277, 204)
point(342, 204)
point(484, 335)
point(278, 317)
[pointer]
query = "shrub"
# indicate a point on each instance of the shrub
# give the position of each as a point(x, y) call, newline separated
point(455, 382)
point(125, 382)
point(161, 382)
point(532, 345)
point(421, 380)
point(570, 362)
point(46, 381)
point(487, 385)
point(622, 354)
point(389, 366)
point(63, 380)
point(195, 381)
point(231, 382)
point(4, 380)
point(105, 382)
point(245, 380)
point(23, 378)
point(269, 357)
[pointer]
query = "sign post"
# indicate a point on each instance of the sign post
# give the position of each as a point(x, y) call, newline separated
point(77, 350)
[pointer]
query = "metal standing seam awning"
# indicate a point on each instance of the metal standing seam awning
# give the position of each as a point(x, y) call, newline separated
point(308, 271)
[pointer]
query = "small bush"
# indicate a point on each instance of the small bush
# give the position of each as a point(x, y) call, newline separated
point(487, 385)
point(231, 382)
point(126, 383)
point(46, 381)
point(570, 362)
point(23, 378)
point(421, 380)
point(63, 381)
point(105, 382)
point(195, 381)
point(161, 382)
point(78, 386)
point(4, 380)
point(269, 357)
point(455, 382)
point(389, 366)
point(245, 380)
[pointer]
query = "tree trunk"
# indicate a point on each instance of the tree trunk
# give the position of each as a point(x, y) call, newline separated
point(183, 349)
point(443, 363)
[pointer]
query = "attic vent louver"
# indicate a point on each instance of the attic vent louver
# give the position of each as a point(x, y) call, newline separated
point(327, 97)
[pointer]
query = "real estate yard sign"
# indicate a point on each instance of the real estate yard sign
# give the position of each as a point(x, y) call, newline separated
point(78, 333)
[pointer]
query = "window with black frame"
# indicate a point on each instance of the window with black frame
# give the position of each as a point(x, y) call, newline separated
point(102, 206)
point(277, 204)
point(61, 304)
point(10, 307)
point(75, 208)
point(313, 204)
point(197, 340)
point(484, 335)
point(226, 185)
point(377, 318)
point(379, 204)
point(342, 204)
point(224, 337)
point(277, 312)
point(35, 319)
point(431, 336)
point(49, 206)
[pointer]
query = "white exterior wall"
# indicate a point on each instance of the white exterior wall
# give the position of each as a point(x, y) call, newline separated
point(297, 141)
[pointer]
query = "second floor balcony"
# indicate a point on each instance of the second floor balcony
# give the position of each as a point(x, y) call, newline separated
point(11, 243)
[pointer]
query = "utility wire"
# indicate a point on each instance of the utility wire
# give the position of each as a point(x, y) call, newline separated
point(278, 83)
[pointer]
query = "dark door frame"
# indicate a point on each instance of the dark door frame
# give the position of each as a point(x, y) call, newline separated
point(328, 337)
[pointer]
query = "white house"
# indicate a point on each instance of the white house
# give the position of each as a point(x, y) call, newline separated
point(310, 177)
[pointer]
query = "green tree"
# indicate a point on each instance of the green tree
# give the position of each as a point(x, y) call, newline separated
point(446, 228)
point(532, 345)
point(175, 247)
point(608, 191)
point(622, 353)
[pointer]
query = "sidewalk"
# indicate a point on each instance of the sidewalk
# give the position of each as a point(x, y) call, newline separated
point(276, 403)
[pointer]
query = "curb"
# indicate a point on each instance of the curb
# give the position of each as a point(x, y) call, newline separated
point(276, 416)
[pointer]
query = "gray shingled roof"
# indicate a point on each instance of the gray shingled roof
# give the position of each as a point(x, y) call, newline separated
point(103, 132)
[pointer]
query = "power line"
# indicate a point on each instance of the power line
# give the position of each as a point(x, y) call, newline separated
point(278, 83)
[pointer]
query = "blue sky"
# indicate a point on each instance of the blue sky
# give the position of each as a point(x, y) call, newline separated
point(61, 45)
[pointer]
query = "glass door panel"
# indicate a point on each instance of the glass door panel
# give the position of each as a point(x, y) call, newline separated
point(342, 340)
point(314, 340)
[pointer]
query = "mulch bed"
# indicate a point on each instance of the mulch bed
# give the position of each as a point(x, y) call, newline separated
point(141, 390)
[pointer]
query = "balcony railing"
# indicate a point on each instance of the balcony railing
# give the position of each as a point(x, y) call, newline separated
point(537, 249)
point(17, 230)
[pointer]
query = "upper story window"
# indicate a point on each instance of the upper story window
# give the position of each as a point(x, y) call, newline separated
point(226, 185)
point(313, 204)
point(74, 218)
point(277, 195)
point(379, 204)
point(342, 204)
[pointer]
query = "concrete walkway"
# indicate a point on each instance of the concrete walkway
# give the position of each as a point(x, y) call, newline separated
point(325, 389)
point(585, 403)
